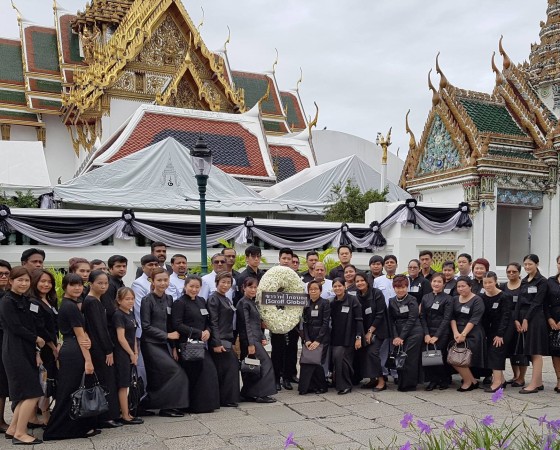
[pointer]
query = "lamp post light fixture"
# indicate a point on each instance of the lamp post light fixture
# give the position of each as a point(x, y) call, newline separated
point(201, 157)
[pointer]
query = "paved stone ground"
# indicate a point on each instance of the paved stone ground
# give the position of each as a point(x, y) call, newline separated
point(325, 421)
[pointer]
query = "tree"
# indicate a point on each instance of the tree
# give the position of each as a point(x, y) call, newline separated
point(349, 204)
point(20, 200)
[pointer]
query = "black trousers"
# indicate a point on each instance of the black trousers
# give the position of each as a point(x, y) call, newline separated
point(284, 353)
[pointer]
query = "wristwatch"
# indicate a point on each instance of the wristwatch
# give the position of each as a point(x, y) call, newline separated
point(358, 337)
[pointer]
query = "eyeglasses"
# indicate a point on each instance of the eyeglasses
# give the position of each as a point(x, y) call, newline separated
point(220, 261)
point(4, 274)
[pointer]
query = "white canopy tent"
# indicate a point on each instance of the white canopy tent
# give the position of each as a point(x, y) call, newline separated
point(23, 168)
point(309, 190)
point(159, 177)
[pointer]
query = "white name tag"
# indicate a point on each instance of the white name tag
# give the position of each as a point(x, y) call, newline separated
point(351, 292)
point(403, 309)
point(515, 297)
point(465, 310)
point(34, 308)
point(435, 306)
point(415, 289)
point(314, 313)
point(447, 291)
point(345, 309)
point(169, 310)
point(482, 291)
point(204, 312)
point(495, 305)
point(54, 310)
point(532, 290)
point(368, 310)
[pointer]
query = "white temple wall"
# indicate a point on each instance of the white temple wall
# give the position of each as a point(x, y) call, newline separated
point(545, 238)
point(59, 153)
point(121, 110)
point(512, 237)
point(484, 234)
point(444, 194)
point(21, 133)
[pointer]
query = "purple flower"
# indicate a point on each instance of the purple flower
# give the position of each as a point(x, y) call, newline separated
point(487, 421)
point(554, 425)
point(542, 420)
point(498, 395)
point(406, 446)
point(406, 420)
point(289, 442)
point(449, 424)
point(461, 431)
point(505, 444)
point(424, 427)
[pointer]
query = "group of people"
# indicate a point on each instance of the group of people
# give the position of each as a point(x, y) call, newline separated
point(356, 325)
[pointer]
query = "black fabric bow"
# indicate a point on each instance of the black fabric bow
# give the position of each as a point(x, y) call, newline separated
point(249, 224)
point(377, 240)
point(128, 217)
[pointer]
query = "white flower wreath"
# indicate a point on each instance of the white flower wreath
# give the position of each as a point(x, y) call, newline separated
point(283, 279)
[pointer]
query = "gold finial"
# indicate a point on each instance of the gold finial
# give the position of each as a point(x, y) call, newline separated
point(228, 39)
point(201, 20)
point(264, 98)
point(499, 78)
point(313, 123)
point(18, 13)
point(507, 61)
point(384, 142)
point(443, 83)
point(54, 6)
point(275, 63)
point(435, 97)
point(412, 142)
point(300, 79)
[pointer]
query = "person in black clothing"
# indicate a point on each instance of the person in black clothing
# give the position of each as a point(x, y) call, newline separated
point(191, 320)
point(375, 268)
point(316, 332)
point(344, 256)
point(552, 313)
point(374, 313)
point(74, 360)
point(81, 267)
point(498, 326)
point(252, 341)
point(20, 356)
point(406, 331)
point(117, 270)
point(346, 335)
point(350, 279)
point(479, 267)
point(101, 345)
point(418, 286)
point(311, 258)
point(253, 256)
point(126, 350)
point(530, 319)
point(167, 384)
point(449, 281)
point(5, 269)
point(426, 257)
point(435, 318)
point(44, 301)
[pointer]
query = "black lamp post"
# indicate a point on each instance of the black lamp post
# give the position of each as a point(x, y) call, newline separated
point(202, 163)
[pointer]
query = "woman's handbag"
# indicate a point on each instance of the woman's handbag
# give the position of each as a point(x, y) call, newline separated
point(88, 401)
point(192, 350)
point(518, 358)
point(136, 390)
point(400, 358)
point(459, 356)
point(311, 356)
point(554, 340)
point(432, 357)
point(251, 367)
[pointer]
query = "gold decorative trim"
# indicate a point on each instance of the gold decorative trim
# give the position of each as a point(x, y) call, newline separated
point(5, 129)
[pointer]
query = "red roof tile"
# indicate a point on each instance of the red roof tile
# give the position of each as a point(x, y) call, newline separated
point(288, 160)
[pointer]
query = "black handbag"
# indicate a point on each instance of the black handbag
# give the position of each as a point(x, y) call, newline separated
point(432, 357)
point(192, 350)
point(51, 388)
point(136, 390)
point(88, 401)
point(554, 340)
point(251, 367)
point(400, 358)
point(518, 359)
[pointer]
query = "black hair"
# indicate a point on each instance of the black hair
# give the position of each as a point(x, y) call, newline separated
point(465, 255)
point(466, 280)
point(414, 260)
point(375, 258)
point(448, 263)
point(193, 277)
point(178, 255)
point(249, 281)
point(116, 259)
point(253, 250)
point(71, 279)
point(228, 248)
point(96, 274)
point(531, 257)
point(387, 257)
point(339, 280)
point(311, 253)
point(315, 282)
point(6, 264)
point(286, 251)
point(157, 244)
point(515, 264)
point(96, 262)
point(424, 253)
point(29, 252)
point(148, 259)
point(343, 246)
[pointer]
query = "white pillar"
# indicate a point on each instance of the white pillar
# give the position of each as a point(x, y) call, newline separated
point(545, 238)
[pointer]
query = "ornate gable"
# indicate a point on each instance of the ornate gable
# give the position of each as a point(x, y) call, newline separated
point(440, 153)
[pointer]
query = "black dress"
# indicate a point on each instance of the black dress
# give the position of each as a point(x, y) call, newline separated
point(347, 325)
point(71, 368)
point(101, 346)
point(190, 319)
point(497, 321)
point(222, 313)
point(419, 287)
point(477, 288)
point(552, 307)
point(316, 318)
point(450, 287)
point(168, 385)
point(123, 366)
point(515, 298)
point(405, 324)
point(250, 333)
point(530, 306)
point(435, 318)
point(18, 347)
point(472, 311)
point(374, 313)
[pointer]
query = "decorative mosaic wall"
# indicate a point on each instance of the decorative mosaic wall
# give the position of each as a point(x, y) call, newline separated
point(529, 199)
point(440, 153)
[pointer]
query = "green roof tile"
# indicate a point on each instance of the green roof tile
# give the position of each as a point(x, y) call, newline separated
point(15, 97)
point(491, 118)
point(274, 126)
point(511, 153)
point(45, 53)
point(255, 87)
point(18, 115)
point(11, 69)
point(48, 86)
point(292, 111)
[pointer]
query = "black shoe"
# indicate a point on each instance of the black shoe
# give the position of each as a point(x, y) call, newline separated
point(529, 391)
point(265, 400)
point(516, 384)
point(34, 442)
point(443, 386)
point(396, 380)
point(487, 381)
point(294, 379)
point(133, 421)
point(557, 390)
point(111, 424)
point(231, 405)
point(369, 385)
point(144, 412)
point(431, 386)
point(541, 388)
point(278, 386)
point(472, 387)
point(491, 391)
point(287, 385)
point(380, 389)
point(322, 391)
point(170, 413)
point(345, 391)
point(8, 436)
point(34, 426)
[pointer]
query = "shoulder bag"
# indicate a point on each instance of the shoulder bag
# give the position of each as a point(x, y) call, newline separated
point(432, 357)
point(400, 358)
point(136, 390)
point(88, 401)
point(518, 358)
point(554, 340)
point(192, 350)
point(459, 355)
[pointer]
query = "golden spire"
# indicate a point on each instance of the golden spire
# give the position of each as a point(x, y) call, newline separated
point(435, 97)
point(499, 77)
point(507, 61)
point(275, 63)
point(412, 142)
point(201, 21)
point(228, 39)
point(313, 123)
point(443, 83)
point(18, 13)
point(300, 79)
point(384, 142)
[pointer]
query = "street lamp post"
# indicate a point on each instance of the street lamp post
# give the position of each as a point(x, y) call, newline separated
point(202, 163)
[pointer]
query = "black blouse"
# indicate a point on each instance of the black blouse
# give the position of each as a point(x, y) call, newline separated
point(532, 295)
point(435, 315)
point(17, 317)
point(374, 312)
point(46, 320)
point(316, 319)
point(552, 303)
point(128, 322)
point(450, 287)
point(513, 292)
point(419, 287)
point(96, 324)
point(190, 317)
point(347, 322)
point(497, 314)
point(404, 317)
point(468, 312)
point(70, 317)
point(155, 317)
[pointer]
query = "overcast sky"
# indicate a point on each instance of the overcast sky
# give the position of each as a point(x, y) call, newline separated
point(365, 62)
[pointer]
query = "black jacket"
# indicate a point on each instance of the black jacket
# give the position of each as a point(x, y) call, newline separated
point(46, 320)
point(404, 317)
point(532, 297)
point(155, 318)
point(316, 319)
point(435, 315)
point(497, 319)
point(374, 312)
point(419, 287)
point(347, 322)
point(190, 317)
point(221, 312)
point(249, 322)
point(552, 302)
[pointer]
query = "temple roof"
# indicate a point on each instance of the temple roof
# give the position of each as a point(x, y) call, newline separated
point(544, 59)
point(491, 117)
point(102, 11)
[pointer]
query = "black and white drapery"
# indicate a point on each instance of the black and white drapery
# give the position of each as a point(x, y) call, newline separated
point(85, 231)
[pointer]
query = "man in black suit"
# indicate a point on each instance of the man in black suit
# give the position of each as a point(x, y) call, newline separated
point(159, 250)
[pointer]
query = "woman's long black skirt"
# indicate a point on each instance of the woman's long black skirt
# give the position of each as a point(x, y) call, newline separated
point(107, 379)
point(3, 377)
point(264, 386)
point(168, 385)
point(411, 375)
point(70, 372)
point(536, 338)
point(227, 366)
point(312, 376)
point(370, 362)
point(204, 388)
point(342, 358)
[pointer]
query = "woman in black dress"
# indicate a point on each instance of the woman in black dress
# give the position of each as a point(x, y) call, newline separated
point(5, 269)
point(74, 359)
point(512, 287)
point(479, 267)
point(43, 297)
point(346, 335)
point(552, 313)
point(167, 384)
point(21, 359)
point(435, 318)
point(498, 326)
point(449, 281)
point(418, 286)
point(252, 341)
point(126, 350)
point(222, 317)
point(101, 345)
point(350, 279)
point(529, 319)
point(190, 319)
point(316, 332)
point(406, 331)
point(466, 325)
point(376, 329)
